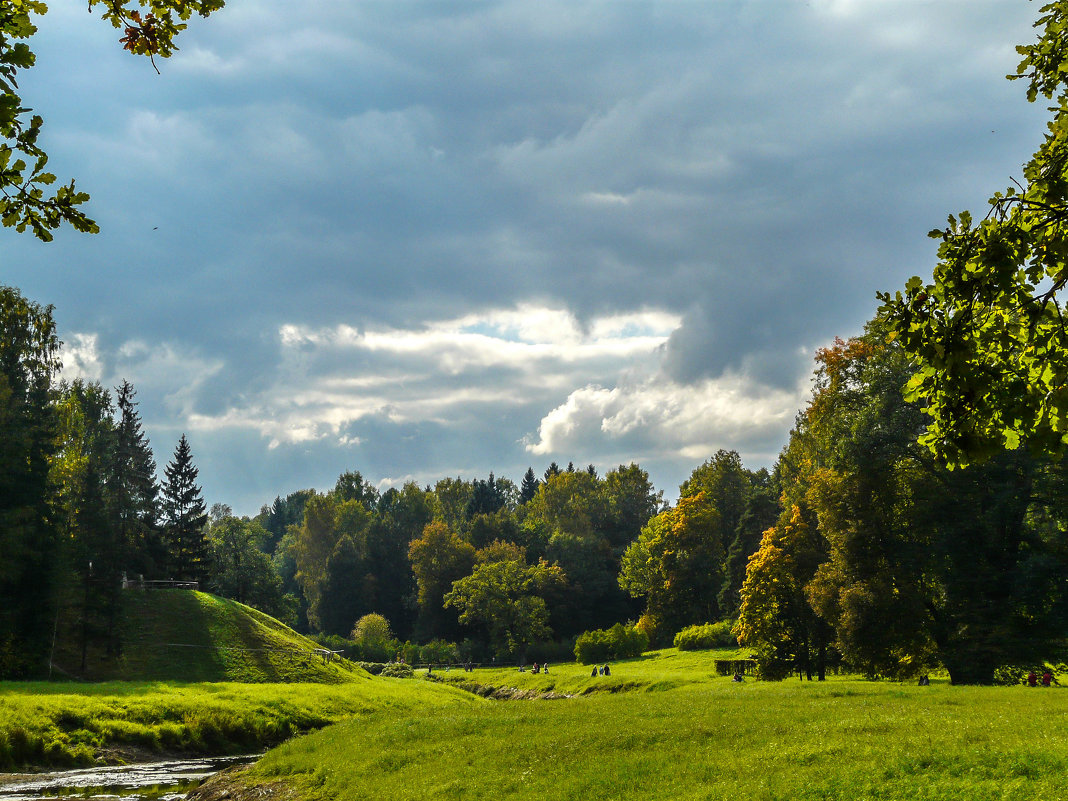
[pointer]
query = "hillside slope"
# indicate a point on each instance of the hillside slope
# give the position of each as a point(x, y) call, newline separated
point(184, 635)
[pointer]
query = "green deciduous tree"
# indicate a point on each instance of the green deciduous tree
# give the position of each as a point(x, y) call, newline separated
point(905, 563)
point(241, 570)
point(964, 568)
point(507, 599)
point(676, 565)
point(439, 557)
point(374, 636)
point(775, 617)
point(988, 333)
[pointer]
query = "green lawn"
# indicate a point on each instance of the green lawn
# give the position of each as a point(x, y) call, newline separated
point(671, 730)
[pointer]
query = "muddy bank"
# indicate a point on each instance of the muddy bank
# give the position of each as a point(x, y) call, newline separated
point(234, 785)
point(505, 693)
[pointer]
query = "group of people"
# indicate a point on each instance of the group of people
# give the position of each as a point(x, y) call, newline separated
point(1032, 679)
point(603, 670)
point(543, 669)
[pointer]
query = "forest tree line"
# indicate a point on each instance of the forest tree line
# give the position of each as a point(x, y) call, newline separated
point(858, 549)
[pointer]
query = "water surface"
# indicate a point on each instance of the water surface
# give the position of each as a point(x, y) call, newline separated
point(150, 781)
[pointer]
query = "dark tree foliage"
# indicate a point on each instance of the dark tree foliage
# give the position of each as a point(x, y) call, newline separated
point(529, 488)
point(761, 511)
point(486, 497)
point(24, 179)
point(184, 517)
point(552, 470)
point(347, 589)
point(29, 361)
point(923, 565)
point(630, 501)
point(391, 588)
point(279, 516)
point(132, 490)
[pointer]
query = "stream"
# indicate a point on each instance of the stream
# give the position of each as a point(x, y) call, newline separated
point(152, 781)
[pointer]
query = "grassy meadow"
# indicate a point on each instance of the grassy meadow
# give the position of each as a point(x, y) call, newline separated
point(663, 726)
point(666, 727)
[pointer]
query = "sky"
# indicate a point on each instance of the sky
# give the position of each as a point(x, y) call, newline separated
point(429, 239)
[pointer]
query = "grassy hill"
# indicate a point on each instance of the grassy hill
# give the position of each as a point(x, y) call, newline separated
point(183, 635)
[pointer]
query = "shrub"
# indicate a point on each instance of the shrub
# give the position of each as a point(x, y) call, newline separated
point(618, 642)
point(398, 670)
point(706, 636)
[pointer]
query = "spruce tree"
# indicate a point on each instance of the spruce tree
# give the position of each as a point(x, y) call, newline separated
point(529, 487)
point(134, 493)
point(184, 517)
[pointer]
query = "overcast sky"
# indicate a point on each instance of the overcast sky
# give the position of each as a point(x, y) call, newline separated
point(444, 238)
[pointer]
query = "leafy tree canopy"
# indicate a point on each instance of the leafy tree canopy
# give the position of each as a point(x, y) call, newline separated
point(989, 332)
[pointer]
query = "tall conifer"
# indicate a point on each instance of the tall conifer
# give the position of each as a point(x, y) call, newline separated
point(184, 517)
point(529, 487)
point(134, 493)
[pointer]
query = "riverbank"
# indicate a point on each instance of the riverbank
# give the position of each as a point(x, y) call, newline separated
point(44, 725)
point(169, 777)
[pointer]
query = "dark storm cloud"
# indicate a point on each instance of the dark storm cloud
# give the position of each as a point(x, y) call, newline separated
point(754, 170)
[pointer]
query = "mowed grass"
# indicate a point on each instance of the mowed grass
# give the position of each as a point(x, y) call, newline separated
point(702, 738)
point(44, 724)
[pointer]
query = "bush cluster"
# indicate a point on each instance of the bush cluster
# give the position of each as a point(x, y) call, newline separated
point(435, 652)
point(397, 670)
point(706, 637)
point(619, 642)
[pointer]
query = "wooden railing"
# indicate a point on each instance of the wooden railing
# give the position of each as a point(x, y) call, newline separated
point(169, 584)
